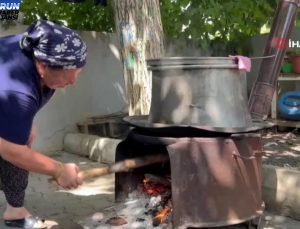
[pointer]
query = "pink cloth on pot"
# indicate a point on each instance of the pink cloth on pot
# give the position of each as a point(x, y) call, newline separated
point(244, 63)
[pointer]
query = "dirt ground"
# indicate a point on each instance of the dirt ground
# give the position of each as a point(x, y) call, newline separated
point(282, 148)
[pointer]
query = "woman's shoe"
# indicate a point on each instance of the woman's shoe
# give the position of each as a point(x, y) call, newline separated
point(26, 223)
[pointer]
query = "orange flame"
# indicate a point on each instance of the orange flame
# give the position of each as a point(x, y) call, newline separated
point(146, 181)
point(159, 218)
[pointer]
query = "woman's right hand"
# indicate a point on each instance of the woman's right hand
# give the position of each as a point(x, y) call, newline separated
point(69, 179)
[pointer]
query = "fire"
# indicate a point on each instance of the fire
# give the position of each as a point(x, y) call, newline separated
point(153, 189)
point(146, 181)
point(160, 204)
point(161, 216)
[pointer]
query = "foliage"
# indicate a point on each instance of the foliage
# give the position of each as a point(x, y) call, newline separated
point(221, 25)
point(80, 16)
point(218, 24)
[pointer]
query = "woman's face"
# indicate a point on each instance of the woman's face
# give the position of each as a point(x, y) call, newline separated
point(57, 78)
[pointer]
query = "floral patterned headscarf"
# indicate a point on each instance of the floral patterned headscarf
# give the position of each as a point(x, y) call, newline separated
point(54, 45)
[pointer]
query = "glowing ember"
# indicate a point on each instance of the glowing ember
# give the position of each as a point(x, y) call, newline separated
point(161, 217)
point(153, 188)
point(160, 206)
point(149, 206)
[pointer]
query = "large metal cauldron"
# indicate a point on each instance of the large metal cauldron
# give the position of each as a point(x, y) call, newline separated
point(209, 91)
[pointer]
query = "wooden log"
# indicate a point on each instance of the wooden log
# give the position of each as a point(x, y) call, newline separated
point(124, 166)
point(160, 217)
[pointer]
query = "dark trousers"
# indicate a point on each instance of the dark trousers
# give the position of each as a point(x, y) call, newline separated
point(14, 183)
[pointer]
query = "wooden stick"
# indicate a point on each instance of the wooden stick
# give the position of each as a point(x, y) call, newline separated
point(124, 166)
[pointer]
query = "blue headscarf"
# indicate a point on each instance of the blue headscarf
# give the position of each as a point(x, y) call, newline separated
point(54, 45)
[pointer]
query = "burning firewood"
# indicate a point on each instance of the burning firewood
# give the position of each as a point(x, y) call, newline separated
point(159, 205)
point(161, 217)
point(154, 185)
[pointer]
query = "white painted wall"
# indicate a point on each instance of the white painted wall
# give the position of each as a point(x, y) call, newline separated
point(98, 91)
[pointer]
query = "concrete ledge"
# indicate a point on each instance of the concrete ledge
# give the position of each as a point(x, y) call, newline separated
point(281, 190)
point(91, 146)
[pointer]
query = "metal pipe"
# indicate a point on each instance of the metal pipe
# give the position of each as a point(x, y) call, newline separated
point(263, 90)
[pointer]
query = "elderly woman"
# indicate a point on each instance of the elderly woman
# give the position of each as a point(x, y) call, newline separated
point(32, 66)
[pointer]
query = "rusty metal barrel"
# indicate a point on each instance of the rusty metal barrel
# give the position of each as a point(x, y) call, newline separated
point(199, 91)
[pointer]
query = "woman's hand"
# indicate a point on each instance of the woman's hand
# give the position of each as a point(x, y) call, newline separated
point(68, 176)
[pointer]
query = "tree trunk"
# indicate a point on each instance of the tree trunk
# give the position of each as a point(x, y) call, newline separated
point(139, 28)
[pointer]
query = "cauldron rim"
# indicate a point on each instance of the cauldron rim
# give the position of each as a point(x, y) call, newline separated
point(200, 62)
point(141, 121)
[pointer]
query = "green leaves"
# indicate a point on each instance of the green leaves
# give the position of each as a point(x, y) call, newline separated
point(219, 24)
point(81, 16)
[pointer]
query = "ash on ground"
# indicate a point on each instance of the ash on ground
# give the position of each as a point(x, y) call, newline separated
point(137, 212)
